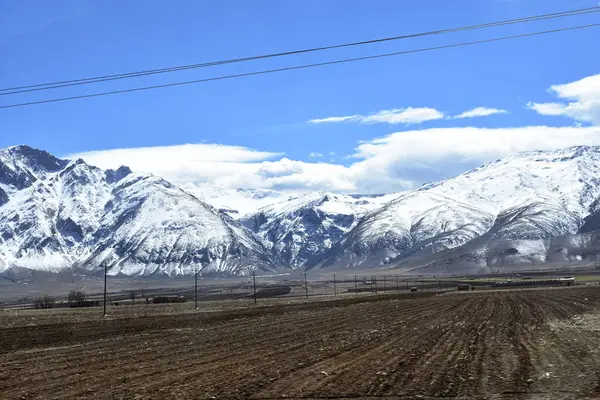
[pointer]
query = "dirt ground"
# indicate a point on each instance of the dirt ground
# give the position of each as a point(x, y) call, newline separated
point(526, 344)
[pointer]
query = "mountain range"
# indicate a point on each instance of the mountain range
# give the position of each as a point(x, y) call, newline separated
point(58, 214)
point(527, 208)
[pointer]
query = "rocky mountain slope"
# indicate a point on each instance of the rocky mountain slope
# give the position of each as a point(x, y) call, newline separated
point(302, 230)
point(58, 214)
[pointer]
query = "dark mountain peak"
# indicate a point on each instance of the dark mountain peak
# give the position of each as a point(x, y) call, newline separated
point(3, 197)
point(113, 176)
point(37, 160)
point(20, 166)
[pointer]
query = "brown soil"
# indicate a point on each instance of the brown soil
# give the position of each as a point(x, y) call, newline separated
point(511, 344)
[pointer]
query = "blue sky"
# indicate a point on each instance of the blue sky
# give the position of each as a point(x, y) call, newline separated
point(262, 122)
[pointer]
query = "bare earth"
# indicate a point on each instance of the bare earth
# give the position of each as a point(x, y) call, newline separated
point(512, 344)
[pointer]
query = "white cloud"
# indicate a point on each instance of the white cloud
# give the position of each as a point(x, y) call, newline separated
point(469, 143)
point(315, 155)
point(395, 162)
point(333, 119)
point(406, 116)
point(583, 101)
point(180, 163)
point(480, 112)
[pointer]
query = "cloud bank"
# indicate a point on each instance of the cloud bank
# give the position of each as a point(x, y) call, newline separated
point(398, 161)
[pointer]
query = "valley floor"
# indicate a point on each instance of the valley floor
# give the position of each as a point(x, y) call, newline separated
point(497, 344)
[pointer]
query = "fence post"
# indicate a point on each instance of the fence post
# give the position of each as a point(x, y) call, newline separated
point(305, 286)
point(334, 286)
point(254, 284)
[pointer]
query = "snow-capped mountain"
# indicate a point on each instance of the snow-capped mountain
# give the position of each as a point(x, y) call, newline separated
point(57, 214)
point(521, 201)
point(541, 206)
point(415, 221)
point(527, 198)
point(302, 229)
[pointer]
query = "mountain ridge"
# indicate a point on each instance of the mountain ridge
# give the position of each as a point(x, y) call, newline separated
point(529, 207)
point(525, 197)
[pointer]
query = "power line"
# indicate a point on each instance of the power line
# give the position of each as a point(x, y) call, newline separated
point(304, 66)
point(98, 79)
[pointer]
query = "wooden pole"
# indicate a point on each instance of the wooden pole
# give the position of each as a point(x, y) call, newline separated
point(196, 287)
point(305, 286)
point(334, 286)
point(105, 273)
point(254, 284)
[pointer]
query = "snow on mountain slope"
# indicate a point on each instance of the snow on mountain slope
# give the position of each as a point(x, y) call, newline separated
point(302, 230)
point(236, 202)
point(30, 220)
point(527, 196)
point(151, 226)
point(59, 213)
point(28, 234)
point(570, 176)
point(414, 221)
point(539, 219)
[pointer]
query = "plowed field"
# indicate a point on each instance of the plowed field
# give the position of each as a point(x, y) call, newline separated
point(511, 344)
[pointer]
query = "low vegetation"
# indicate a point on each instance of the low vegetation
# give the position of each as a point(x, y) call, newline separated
point(45, 302)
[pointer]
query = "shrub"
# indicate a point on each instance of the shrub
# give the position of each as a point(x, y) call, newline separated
point(76, 298)
point(169, 299)
point(44, 302)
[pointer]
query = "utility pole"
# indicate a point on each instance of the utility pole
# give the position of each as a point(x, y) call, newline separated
point(196, 287)
point(105, 273)
point(355, 284)
point(384, 288)
point(254, 284)
point(334, 286)
point(305, 286)
point(397, 284)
